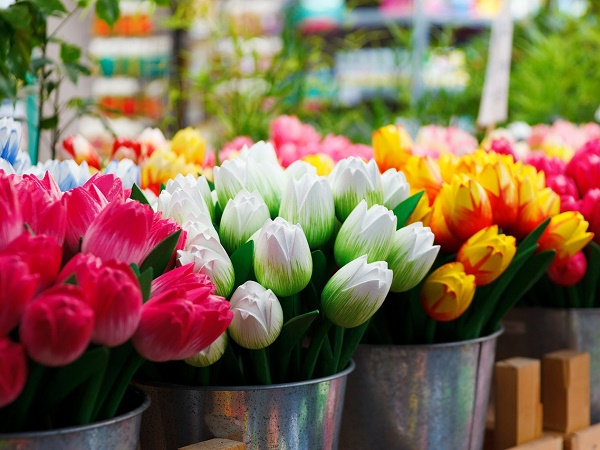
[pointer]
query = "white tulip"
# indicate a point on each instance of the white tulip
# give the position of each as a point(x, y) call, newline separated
point(365, 232)
point(412, 254)
point(395, 188)
point(230, 178)
point(355, 292)
point(210, 354)
point(182, 205)
point(257, 316)
point(260, 152)
point(243, 216)
point(353, 180)
point(309, 203)
point(196, 228)
point(126, 170)
point(296, 170)
point(266, 178)
point(193, 186)
point(282, 259)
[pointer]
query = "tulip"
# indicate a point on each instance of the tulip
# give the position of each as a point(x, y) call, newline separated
point(183, 277)
point(198, 226)
point(550, 166)
point(189, 143)
point(178, 324)
point(245, 214)
point(392, 146)
point(10, 138)
point(193, 186)
point(13, 370)
point(356, 291)
point(584, 167)
point(210, 354)
point(501, 191)
point(57, 327)
point(590, 208)
point(182, 205)
point(536, 204)
point(160, 230)
point(365, 232)
point(353, 180)
point(566, 234)
point(230, 178)
point(68, 174)
point(80, 150)
point(309, 203)
point(296, 170)
point(41, 253)
point(162, 166)
point(570, 272)
point(17, 288)
point(83, 205)
point(110, 185)
point(322, 162)
point(127, 171)
point(151, 139)
point(126, 148)
point(42, 213)
point(422, 212)
point(487, 254)
point(424, 173)
point(282, 259)
point(210, 258)
point(260, 152)
point(257, 316)
point(269, 187)
point(466, 207)
point(11, 220)
point(447, 292)
point(443, 236)
point(562, 185)
point(570, 203)
point(412, 254)
point(395, 188)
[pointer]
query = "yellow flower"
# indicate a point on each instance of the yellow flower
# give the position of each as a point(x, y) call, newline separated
point(448, 163)
point(500, 187)
point(487, 254)
point(557, 149)
point(190, 144)
point(323, 162)
point(439, 227)
point(423, 172)
point(392, 147)
point(422, 212)
point(447, 292)
point(567, 234)
point(162, 166)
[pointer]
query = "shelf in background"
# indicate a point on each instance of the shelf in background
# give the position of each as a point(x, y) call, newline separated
point(373, 17)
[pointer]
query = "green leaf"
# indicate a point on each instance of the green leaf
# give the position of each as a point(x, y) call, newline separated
point(294, 330)
point(242, 260)
point(108, 11)
point(319, 275)
point(49, 123)
point(17, 16)
point(162, 187)
point(72, 279)
point(406, 208)
point(137, 194)
point(73, 70)
point(145, 280)
point(532, 238)
point(69, 53)
point(592, 275)
point(50, 7)
point(159, 257)
point(40, 62)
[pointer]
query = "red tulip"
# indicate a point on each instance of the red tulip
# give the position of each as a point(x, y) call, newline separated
point(110, 185)
point(182, 277)
point(57, 326)
point(13, 370)
point(83, 206)
point(550, 166)
point(178, 324)
point(584, 167)
point(126, 148)
point(569, 273)
point(17, 288)
point(590, 208)
point(79, 148)
point(11, 220)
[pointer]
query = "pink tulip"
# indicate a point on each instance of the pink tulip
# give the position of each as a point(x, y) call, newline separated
point(178, 324)
point(550, 166)
point(569, 273)
point(538, 134)
point(502, 146)
point(362, 151)
point(13, 370)
point(57, 326)
point(590, 208)
point(182, 277)
point(17, 288)
point(569, 203)
point(236, 145)
point(11, 219)
point(288, 153)
point(562, 185)
point(110, 185)
point(47, 184)
point(584, 168)
point(43, 213)
point(591, 131)
point(83, 205)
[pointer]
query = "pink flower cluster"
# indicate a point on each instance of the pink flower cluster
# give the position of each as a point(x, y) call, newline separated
point(562, 133)
point(66, 280)
point(434, 140)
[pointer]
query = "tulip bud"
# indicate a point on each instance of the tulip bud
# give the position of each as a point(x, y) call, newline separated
point(282, 259)
point(182, 205)
point(352, 180)
point(11, 221)
point(502, 192)
point(392, 146)
point(42, 254)
point(570, 272)
point(230, 178)
point(210, 258)
point(260, 152)
point(268, 186)
point(424, 173)
point(487, 254)
point(127, 171)
point(395, 188)
point(82, 206)
point(296, 170)
point(126, 148)
point(10, 138)
point(210, 354)
point(365, 232)
point(447, 292)
point(590, 208)
point(567, 234)
point(196, 187)
point(13, 370)
point(183, 277)
point(322, 162)
point(189, 143)
point(356, 291)
point(309, 203)
point(584, 167)
point(422, 213)
point(257, 316)
point(242, 217)
point(196, 227)
point(57, 327)
point(17, 288)
point(412, 254)
point(79, 149)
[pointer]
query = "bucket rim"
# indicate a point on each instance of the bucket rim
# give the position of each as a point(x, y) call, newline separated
point(258, 387)
point(592, 310)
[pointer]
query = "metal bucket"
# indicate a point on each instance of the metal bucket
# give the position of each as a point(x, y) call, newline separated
point(120, 433)
point(533, 332)
point(419, 397)
point(304, 415)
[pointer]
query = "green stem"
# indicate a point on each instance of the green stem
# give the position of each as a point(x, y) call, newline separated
point(117, 393)
point(314, 349)
point(430, 326)
point(338, 343)
point(204, 376)
point(261, 365)
point(352, 338)
point(90, 398)
point(22, 406)
point(118, 357)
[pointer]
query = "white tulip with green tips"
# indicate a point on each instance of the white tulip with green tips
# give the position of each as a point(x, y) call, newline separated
point(266, 178)
point(309, 203)
point(230, 178)
point(355, 292)
point(257, 316)
point(411, 256)
point(395, 188)
point(353, 180)
point(297, 170)
point(245, 214)
point(282, 259)
point(210, 354)
point(365, 232)
point(193, 185)
point(261, 152)
point(196, 228)
point(182, 205)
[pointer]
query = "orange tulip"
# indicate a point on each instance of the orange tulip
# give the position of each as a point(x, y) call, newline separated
point(439, 227)
point(392, 147)
point(423, 172)
point(567, 234)
point(487, 254)
point(502, 192)
point(447, 292)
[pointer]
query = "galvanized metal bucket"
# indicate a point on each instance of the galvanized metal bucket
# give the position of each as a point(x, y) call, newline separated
point(120, 433)
point(426, 397)
point(533, 332)
point(304, 415)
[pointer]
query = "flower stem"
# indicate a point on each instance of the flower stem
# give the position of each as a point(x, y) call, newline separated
point(118, 391)
point(352, 338)
point(338, 343)
point(314, 349)
point(261, 366)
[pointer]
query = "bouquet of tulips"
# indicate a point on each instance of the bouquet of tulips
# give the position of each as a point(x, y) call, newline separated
point(88, 292)
point(304, 260)
point(499, 229)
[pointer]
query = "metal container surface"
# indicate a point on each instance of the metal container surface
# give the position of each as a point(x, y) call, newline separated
point(120, 433)
point(533, 332)
point(425, 397)
point(304, 415)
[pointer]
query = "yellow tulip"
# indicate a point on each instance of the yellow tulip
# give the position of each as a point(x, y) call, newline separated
point(423, 172)
point(487, 254)
point(567, 234)
point(162, 166)
point(501, 190)
point(448, 163)
point(422, 212)
point(443, 236)
point(323, 162)
point(190, 144)
point(392, 147)
point(447, 292)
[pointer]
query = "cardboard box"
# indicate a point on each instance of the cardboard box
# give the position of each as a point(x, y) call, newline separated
point(566, 391)
point(544, 443)
point(586, 439)
point(216, 444)
point(518, 416)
